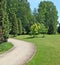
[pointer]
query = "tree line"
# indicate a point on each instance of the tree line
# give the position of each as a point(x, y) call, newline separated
point(16, 17)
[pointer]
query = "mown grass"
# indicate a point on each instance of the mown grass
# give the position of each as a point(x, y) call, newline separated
point(5, 47)
point(48, 49)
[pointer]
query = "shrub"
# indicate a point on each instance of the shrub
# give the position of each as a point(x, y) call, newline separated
point(38, 29)
point(34, 30)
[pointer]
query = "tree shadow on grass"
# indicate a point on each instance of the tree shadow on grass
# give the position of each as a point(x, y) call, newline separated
point(31, 37)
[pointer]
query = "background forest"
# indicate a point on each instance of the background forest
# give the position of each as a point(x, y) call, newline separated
point(16, 18)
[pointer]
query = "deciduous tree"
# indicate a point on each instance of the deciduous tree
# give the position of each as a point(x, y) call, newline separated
point(47, 14)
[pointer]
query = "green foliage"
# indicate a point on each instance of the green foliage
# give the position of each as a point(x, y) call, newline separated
point(16, 18)
point(35, 15)
point(19, 26)
point(24, 13)
point(5, 25)
point(47, 14)
point(35, 28)
point(5, 47)
point(15, 25)
point(12, 6)
point(4, 21)
point(43, 29)
point(1, 34)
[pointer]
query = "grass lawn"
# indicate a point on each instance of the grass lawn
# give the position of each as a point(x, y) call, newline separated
point(5, 47)
point(48, 49)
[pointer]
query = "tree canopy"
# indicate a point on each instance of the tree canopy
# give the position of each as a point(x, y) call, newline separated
point(48, 15)
point(16, 18)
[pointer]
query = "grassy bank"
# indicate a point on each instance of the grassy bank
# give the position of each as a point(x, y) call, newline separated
point(48, 49)
point(5, 47)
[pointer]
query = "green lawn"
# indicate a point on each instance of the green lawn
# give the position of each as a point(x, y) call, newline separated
point(48, 49)
point(5, 47)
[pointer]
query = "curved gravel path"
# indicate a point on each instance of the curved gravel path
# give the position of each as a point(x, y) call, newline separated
point(20, 55)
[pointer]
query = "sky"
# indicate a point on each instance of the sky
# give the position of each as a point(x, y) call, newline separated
point(35, 3)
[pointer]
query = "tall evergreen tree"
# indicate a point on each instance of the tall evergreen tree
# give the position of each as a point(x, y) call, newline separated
point(22, 9)
point(14, 30)
point(12, 6)
point(4, 19)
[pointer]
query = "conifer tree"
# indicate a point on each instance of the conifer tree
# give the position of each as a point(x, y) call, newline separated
point(14, 30)
point(24, 13)
point(12, 6)
point(4, 19)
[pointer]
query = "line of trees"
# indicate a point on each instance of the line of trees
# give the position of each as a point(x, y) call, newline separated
point(16, 17)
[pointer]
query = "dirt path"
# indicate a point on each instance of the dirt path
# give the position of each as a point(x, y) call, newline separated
point(20, 55)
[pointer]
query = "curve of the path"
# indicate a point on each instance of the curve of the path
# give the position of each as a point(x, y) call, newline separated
point(20, 55)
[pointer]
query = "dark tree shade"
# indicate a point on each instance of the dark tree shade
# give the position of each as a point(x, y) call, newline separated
point(59, 28)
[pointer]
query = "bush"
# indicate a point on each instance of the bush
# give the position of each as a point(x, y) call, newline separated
point(34, 30)
point(37, 29)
